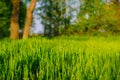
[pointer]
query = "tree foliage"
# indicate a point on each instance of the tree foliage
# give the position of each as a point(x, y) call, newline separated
point(96, 16)
point(53, 14)
point(5, 12)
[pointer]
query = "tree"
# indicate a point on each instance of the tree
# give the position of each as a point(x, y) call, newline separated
point(12, 14)
point(53, 14)
point(14, 21)
point(116, 5)
point(28, 20)
point(117, 10)
point(67, 14)
point(5, 12)
point(5, 15)
point(96, 17)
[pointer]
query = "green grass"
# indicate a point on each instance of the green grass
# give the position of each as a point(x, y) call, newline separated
point(61, 58)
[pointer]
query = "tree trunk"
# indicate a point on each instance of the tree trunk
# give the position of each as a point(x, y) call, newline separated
point(29, 17)
point(67, 15)
point(14, 21)
point(56, 30)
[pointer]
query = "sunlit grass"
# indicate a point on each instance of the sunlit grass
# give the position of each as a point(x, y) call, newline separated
point(61, 58)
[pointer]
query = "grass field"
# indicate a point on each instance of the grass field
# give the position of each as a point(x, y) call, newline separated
point(61, 58)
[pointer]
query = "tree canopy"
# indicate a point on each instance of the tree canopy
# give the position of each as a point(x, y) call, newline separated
point(94, 17)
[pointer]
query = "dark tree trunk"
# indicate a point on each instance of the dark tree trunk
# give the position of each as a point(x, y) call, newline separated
point(56, 30)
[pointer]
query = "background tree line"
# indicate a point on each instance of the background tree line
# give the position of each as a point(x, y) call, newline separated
point(93, 17)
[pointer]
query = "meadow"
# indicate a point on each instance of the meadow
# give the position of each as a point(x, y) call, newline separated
point(60, 58)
